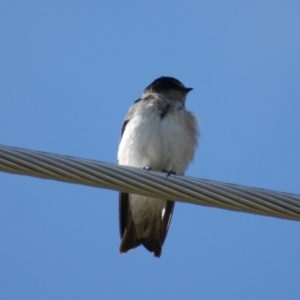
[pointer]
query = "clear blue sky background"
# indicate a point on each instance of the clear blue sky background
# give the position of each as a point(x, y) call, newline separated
point(70, 70)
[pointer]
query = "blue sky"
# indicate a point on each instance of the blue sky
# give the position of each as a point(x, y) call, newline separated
point(69, 72)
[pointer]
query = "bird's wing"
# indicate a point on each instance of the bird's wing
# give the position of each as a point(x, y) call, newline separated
point(124, 210)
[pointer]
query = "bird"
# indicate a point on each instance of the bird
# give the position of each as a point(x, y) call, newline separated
point(159, 134)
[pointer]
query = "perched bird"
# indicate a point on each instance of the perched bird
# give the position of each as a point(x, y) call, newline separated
point(158, 133)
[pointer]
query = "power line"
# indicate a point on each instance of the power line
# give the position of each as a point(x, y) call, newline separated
point(152, 183)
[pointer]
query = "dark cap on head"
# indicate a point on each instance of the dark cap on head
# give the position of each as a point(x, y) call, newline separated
point(167, 84)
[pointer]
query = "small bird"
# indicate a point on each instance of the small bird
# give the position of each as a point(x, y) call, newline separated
point(159, 134)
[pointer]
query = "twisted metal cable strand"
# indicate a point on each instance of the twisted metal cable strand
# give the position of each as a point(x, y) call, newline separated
point(155, 184)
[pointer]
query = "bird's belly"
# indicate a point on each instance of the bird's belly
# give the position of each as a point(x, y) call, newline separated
point(176, 145)
point(157, 143)
point(141, 144)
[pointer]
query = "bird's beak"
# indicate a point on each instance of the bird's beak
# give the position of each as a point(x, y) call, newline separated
point(188, 89)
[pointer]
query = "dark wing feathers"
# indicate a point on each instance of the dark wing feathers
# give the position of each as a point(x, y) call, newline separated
point(128, 235)
point(167, 220)
point(123, 212)
point(124, 126)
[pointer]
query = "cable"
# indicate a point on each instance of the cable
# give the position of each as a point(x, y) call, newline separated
point(149, 183)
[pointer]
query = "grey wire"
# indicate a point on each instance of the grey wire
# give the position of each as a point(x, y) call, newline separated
point(149, 183)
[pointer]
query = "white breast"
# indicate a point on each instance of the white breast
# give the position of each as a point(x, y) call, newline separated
point(160, 143)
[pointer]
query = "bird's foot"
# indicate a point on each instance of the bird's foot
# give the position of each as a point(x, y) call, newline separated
point(147, 168)
point(169, 173)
